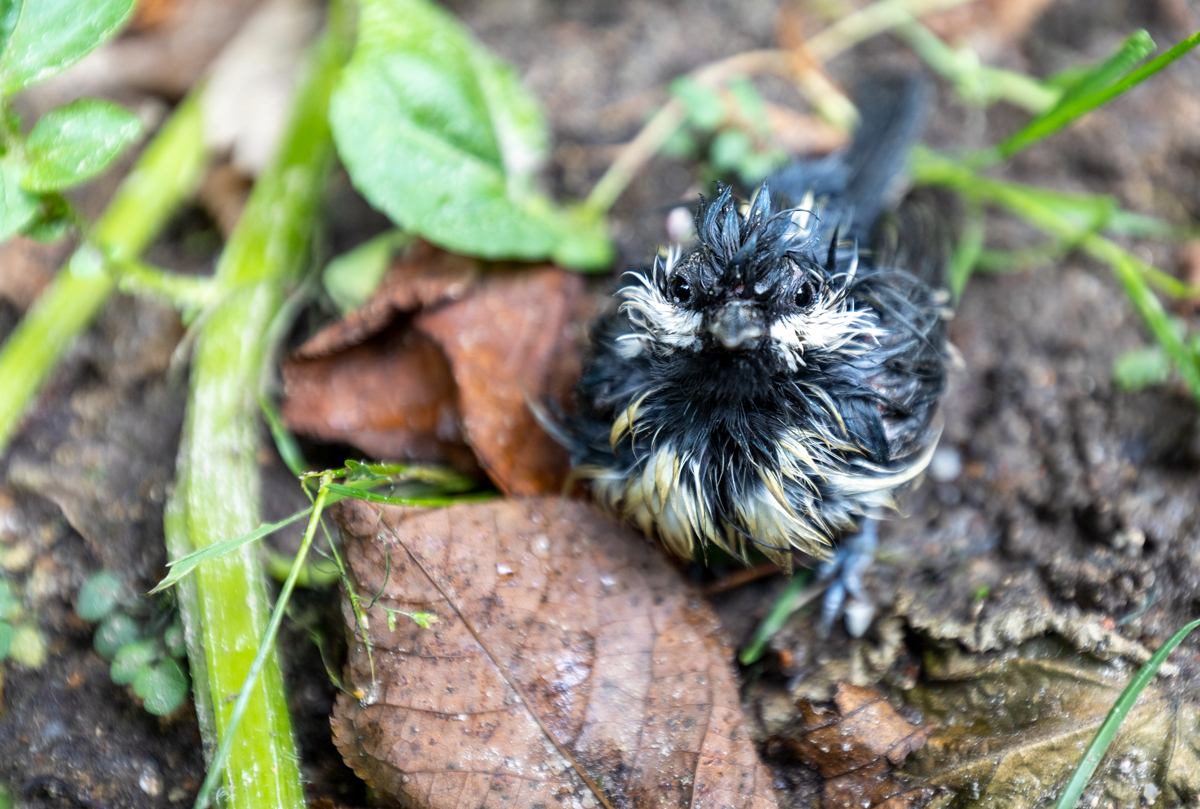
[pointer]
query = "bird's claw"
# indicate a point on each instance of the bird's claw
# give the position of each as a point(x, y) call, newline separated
point(844, 570)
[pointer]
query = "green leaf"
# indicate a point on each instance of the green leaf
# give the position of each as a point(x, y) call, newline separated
point(49, 35)
point(17, 206)
point(729, 149)
point(162, 687)
point(6, 636)
point(132, 658)
point(441, 136)
point(98, 596)
point(10, 605)
point(185, 565)
point(174, 638)
point(351, 278)
point(114, 632)
point(704, 105)
point(969, 248)
point(756, 166)
point(285, 441)
point(787, 603)
point(342, 492)
point(1141, 368)
point(750, 104)
point(682, 145)
point(27, 646)
point(75, 142)
point(1079, 104)
point(1136, 47)
point(424, 619)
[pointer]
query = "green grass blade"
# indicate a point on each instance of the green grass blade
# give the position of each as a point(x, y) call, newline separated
point(1155, 316)
point(1134, 49)
point(929, 168)
point(1142, 226)
point(186, 564)
point(1066, 112)
point(969, 249)
point(1112, 723)
point(787, 603)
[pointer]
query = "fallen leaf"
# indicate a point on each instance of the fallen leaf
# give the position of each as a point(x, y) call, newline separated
point(503, 333)
point(1012, 728)
point(565, 647)
point(505, 342)
point(151, 14)
point(392, 397)
point(422, 277)
point(855, 744)
point(248, 94)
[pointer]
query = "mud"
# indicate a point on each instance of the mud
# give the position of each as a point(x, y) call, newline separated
point(1072, 497)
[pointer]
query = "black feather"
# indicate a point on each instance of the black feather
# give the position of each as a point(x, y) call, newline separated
point(862, 400)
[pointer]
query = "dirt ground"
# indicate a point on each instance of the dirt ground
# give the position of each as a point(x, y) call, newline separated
point(1063, 506)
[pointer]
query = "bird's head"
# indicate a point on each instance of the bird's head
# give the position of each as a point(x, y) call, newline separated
point(773, 285)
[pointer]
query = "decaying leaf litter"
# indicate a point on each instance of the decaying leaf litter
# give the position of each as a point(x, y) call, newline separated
point(1046, 447)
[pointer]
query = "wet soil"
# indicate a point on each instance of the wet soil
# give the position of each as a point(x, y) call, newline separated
point(1071, 498)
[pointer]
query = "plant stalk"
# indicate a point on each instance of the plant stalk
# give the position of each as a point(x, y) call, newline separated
point(928, 168)
point(167, 172)
point(225, 605)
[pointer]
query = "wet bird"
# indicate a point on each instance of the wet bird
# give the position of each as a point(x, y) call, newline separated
point(770, 388)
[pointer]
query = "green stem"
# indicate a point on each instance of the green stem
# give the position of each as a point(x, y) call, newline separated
point(981, 84)
point(185, 292)
point(1077, 105)
point(225, 604)
point(842, 35)
point(167, 172)
point(265, 654)
point(929, 168)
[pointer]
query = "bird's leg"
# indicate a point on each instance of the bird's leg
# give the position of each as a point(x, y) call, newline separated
point(843, 571)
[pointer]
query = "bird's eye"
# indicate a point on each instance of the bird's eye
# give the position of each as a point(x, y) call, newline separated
point(806, 293)
point(681, 290)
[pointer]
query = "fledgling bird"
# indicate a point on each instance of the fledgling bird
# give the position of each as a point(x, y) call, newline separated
point(772, 386)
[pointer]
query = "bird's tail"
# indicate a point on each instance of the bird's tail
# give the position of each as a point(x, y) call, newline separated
point(861, 181)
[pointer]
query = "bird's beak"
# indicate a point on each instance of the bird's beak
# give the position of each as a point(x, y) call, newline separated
point(737, 324)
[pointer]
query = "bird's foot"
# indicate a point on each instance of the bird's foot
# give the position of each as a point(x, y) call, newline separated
point(845, 595)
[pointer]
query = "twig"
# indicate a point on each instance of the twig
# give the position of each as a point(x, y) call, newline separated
point(845, 33)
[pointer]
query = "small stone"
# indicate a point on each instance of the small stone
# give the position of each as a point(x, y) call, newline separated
point(150, 780)
point(946, 464)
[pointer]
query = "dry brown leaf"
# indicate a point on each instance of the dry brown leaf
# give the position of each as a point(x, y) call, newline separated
point(512, 338)
point(392, 397)
point(424, 276)
point(1012, 728)
point(562, 642)
point(504, 332)
point(248, 90)
point(855, 744)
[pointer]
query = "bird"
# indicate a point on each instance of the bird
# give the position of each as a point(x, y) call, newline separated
point(771, 386)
